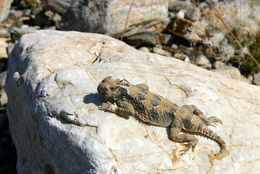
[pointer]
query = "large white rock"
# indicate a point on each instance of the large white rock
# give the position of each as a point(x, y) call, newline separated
point(53, 72)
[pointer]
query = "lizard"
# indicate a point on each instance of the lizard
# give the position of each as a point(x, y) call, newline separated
point(125, 100)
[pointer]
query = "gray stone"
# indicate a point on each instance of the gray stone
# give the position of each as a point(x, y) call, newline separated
point(4, 9)
point(53, 73)
point(59, 6)
point(109, 16)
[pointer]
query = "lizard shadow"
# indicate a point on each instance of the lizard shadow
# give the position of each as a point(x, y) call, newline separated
point(93, 98)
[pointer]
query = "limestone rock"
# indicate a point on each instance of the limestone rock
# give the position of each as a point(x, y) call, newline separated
point(4, 9)
point(109, 16)
point(53, 73)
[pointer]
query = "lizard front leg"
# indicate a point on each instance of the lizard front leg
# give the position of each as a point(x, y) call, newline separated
point(122, 108)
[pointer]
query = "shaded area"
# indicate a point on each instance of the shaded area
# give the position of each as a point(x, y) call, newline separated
point(93, 98)
point(7, 148)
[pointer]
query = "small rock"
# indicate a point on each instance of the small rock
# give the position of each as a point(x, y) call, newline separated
point(182, 57)
point(215, 37)
point(4, 33)
point(144, 49)
point(27, 12)
point(161, 51)
point(250, 79)
point(176, 6)
point(193, 14)
point(3, 98)
point(16, 33)
point(174, 46)
point(218, 64)
point(3, 48)
point(2, 79)
point(226, 51)
point(56, 19)
point(184, 9)
point(167, 39)
point(4, 9)
point(180, 14)
point(144, 38)
point(202, 61)
point(256, 79)
point(231, 72)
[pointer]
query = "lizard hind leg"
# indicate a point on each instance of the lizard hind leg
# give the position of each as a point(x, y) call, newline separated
point(177, 136)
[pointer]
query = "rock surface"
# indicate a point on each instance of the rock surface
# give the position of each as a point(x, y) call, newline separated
point(109, 16)
point(52, 73)
point(4, 9)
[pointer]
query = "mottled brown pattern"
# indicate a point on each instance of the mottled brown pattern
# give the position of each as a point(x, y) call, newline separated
point(126, 99)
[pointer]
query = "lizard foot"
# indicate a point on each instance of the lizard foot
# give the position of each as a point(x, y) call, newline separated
point(213, 121)
point(107, 107)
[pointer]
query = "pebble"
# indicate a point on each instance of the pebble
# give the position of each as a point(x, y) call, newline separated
point(218, 64)
point(202, 61)
point(144, 49)
point(182, 57)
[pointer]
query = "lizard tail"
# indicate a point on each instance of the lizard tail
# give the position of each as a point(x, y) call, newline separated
point(199, 127)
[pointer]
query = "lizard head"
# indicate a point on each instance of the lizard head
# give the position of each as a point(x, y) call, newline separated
point(109, 88)
point(106, 88)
